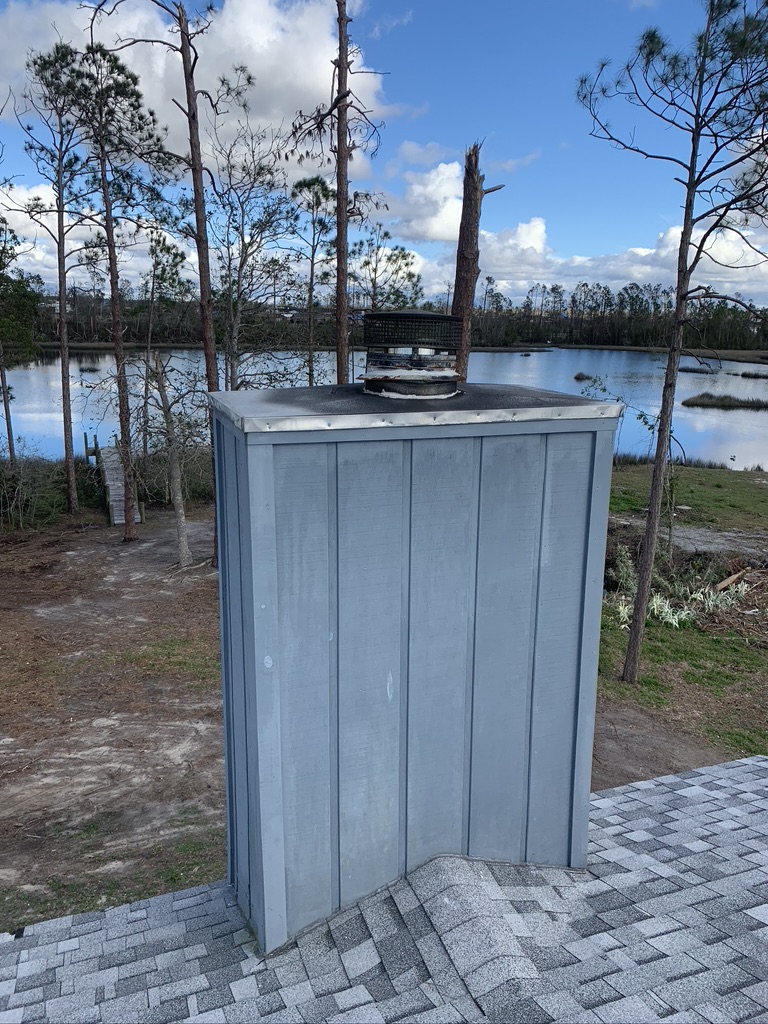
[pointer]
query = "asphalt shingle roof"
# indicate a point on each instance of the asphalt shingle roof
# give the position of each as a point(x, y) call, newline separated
point(669, 923)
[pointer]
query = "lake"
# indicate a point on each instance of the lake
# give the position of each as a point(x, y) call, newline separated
point(738, 438)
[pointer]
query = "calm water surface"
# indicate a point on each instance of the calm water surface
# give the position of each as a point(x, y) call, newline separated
point(738, 438)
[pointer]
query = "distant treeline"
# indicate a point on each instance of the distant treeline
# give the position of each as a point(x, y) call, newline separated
point(591, 314)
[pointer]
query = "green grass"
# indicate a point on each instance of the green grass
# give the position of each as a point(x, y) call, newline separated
point(711, 660)
point(649, 692)
point(190, 656)
point(713, 682)
point(728, 673)
point(627, 459)
point(190, 861)
point(718, 498)
point(192, 660)
point(748, 742)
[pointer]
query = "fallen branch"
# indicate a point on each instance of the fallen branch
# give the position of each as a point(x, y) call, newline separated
point(733, 578)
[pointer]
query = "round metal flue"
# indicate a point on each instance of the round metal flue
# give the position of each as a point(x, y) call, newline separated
point(411, 354)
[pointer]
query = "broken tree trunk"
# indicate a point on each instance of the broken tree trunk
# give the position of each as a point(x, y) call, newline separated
point(468, 252)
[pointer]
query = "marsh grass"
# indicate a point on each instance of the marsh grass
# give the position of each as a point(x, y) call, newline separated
point(706, 400)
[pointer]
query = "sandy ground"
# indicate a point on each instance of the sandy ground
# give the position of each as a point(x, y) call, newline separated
point(111, 765)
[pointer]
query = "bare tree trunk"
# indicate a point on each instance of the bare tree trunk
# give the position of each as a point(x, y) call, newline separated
point(174, 468)
point(145, 405)
point(237, 322)
point(468, 252)
point(7, 410)
point(311, 323)
point(631, 669)
point(123, 405)
point(650, 538)
point(201, 228)
point(198, 191)
point(342, 199)
point(66, 398)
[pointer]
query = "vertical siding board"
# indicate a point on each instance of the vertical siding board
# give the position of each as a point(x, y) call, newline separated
point(263, 696)
point(333, 674)
point(370, 477)
point(231, 637)
point(474, 483)
point(245, 756)
point(442, 550)
point(558, 646)
point(405, 632)
point(301, 522)
point(597, 527)
point(510, 517)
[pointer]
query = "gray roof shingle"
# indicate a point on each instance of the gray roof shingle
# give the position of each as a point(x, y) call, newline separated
point(669, 923)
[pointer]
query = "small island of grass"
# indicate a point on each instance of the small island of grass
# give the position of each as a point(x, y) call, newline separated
point(706, 400)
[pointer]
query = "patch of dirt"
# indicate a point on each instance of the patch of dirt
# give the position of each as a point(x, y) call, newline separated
point(111, 763)
point(111, 755)
point(634, 743)
point(749, 545)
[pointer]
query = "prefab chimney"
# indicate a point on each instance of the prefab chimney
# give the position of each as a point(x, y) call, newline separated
point(411, 354)
point(410, 608)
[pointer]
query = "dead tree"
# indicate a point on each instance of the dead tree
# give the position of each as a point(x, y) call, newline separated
point(468, 251)
point(184, 45)
point(344, 126)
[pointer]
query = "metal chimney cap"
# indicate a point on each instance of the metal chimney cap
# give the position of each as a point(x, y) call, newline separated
point(411, 326)
point(411, 354)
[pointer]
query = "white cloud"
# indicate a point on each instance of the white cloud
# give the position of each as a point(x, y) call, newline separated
point(288, 46)
point(430, 210)
point(37, 255)
point(517, 162)
point(519, 257)
point(386, 25)
point(422, 154)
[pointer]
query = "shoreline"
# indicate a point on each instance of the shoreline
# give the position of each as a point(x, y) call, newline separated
point(757, 356)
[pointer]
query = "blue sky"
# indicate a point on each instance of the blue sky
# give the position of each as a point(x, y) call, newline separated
point(504, 72)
